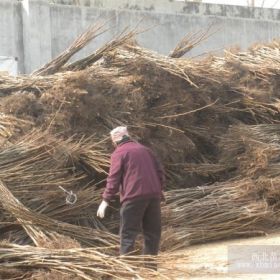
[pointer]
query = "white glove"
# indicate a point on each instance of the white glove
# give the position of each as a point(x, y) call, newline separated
point(101, 209)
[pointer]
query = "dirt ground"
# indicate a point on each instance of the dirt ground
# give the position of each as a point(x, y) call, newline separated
point(210, 261)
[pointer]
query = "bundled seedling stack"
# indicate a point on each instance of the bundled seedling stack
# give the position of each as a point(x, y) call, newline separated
point(214, 122)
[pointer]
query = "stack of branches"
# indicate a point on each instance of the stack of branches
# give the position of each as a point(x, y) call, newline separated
point(180, 107)
point(59, 254)
point(83, 263)
point(63, 256)
point(219, 211)
point(40, 168)
point(246, 203)
point(136, 87)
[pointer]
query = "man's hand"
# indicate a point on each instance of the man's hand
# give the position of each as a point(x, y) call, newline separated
point(101, 209)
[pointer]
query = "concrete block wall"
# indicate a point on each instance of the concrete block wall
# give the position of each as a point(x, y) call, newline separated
point(37, 34)
point(11, 39)
point(35, 31)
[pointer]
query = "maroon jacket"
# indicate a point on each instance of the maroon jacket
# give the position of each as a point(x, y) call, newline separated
point(134, 173)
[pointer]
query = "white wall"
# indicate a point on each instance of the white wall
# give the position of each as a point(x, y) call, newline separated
point(37, 31)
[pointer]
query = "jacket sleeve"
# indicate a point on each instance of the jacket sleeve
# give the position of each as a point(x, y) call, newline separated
point(114, 178)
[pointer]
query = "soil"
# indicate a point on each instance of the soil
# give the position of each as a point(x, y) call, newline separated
point(210, 261)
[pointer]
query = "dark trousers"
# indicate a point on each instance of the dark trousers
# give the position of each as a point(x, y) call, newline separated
point(141, 215)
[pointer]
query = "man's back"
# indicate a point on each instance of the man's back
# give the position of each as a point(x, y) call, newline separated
point(140, 172)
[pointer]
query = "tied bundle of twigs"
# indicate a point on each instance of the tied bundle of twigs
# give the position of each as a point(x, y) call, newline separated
point(220, 211)
point(11, 125)
point(10, 84)
point(37, 166)
point(86, 263)
point(40, 159)
point(56, 64)
point(191, 40)
point(119, 40)
point(41, 228)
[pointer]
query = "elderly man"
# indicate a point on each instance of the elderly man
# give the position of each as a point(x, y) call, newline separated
point(137, 175)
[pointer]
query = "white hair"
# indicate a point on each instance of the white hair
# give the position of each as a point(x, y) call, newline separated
point(118, 133)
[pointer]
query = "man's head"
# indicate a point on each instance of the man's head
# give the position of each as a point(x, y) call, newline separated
point(118, 134)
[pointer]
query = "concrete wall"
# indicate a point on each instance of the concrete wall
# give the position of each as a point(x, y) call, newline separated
point(37, 31)
point(11, 39)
